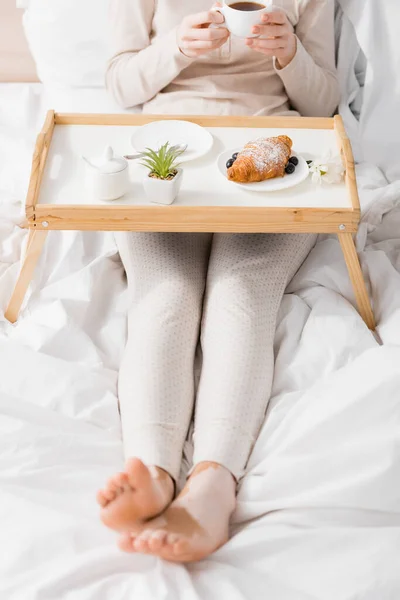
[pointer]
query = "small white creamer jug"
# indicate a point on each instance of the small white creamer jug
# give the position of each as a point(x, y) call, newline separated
point(108, 175)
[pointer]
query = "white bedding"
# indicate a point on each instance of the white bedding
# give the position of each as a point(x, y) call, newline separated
point(318, 514)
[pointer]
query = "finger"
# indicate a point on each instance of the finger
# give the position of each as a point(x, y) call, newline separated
point(270, 31)
point(278, 17)
point(277, 53)
point(210, 34)
point(202, 45)
point(204, 18)
point(266, 44)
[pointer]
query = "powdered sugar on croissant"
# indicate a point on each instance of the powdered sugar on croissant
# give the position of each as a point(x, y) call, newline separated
point(262, 159)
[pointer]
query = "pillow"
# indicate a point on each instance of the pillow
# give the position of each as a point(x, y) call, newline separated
point(351, 65)
point(376, 27)
point(16, 63)
point(68, 40)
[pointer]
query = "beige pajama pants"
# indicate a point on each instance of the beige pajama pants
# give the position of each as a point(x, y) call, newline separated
point(227, 288)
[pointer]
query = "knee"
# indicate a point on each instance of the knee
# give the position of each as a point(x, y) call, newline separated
point(238, 297)
point(180, 291)
point(232, 288)
point(173, 298)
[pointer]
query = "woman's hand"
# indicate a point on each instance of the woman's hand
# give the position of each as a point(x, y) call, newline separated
point(277, 37)
point(196, 37)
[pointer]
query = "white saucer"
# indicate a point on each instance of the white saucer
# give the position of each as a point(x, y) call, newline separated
point(156, 134)
point(270, 185)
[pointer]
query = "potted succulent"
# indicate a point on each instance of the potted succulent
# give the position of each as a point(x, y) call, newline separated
point(163, 181)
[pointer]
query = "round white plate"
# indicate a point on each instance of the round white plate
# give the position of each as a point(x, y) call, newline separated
point(156, 134)
point(270, 185)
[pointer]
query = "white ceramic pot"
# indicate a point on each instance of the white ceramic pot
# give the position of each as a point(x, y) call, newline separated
point(108, 177)
point(109, 186)
point(162, 191)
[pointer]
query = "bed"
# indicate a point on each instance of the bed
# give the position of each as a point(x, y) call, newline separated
point(318, 514)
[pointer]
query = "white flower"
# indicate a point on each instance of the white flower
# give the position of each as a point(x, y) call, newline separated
point(318, 169)
point(328, 168)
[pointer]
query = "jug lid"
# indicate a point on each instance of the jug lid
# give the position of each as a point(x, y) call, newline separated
point(110, 162)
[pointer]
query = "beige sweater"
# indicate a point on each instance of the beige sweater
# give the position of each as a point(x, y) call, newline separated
point(148, 68)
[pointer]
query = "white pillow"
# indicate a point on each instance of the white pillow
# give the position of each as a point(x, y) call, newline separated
point(68, 40)
point(376, 25)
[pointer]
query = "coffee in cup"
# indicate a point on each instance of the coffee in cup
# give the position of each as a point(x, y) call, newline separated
point(241, 17)
point(247, 6)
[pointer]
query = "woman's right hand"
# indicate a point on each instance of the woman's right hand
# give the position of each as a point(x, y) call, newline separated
point(196, 37)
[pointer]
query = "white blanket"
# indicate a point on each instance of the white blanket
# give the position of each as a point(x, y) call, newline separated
point(318, 514)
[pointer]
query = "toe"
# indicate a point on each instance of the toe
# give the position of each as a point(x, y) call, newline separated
point(140, 546)
point(121, 479)
point(141, 543)
point(157, 541)
point(138, 474)
point(110, 488)
point(101, 499)
point(109, 495)
point(173, 546)
point(113, 485)
point(125, 543)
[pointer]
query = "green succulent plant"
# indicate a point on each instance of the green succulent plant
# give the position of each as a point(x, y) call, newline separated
point(162, 163)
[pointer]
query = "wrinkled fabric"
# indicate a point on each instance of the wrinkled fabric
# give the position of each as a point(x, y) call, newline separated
point(318, 512)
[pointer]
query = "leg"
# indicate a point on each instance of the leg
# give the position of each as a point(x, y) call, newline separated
point(357, 278)
point(166, 279)
point(34, 247)
point(246, 280)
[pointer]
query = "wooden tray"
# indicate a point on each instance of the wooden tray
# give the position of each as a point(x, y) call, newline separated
point(57, 198)
point(207, 202)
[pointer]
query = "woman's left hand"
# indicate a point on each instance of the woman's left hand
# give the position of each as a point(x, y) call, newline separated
point(277, 37)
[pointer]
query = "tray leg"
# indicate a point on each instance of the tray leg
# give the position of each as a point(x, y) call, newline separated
point(34, 247)
point(357, 278)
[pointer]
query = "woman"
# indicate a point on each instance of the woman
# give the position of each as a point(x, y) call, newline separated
point(225, 288)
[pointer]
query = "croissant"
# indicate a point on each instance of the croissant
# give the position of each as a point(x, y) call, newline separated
point(262, 159)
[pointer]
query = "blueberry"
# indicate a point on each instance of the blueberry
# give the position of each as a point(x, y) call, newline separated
point(229, 163)
point(290, 168)
point(234, 156)
point(294, 160)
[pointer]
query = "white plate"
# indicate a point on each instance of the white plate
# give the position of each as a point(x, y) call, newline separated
point(157, 133)
point(270, 185)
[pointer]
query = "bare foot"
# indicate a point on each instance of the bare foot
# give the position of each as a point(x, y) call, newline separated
point(134, 496)
point(194, 525)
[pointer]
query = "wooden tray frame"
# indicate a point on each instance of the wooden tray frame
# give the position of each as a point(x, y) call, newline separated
point(191, 218)
point(42, 218)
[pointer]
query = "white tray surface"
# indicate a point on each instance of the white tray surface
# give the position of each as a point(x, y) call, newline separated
point(65, 173)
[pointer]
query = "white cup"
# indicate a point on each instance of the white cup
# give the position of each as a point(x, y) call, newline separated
point(241, 22)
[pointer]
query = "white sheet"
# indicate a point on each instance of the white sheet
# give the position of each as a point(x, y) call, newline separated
point(318, 513)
